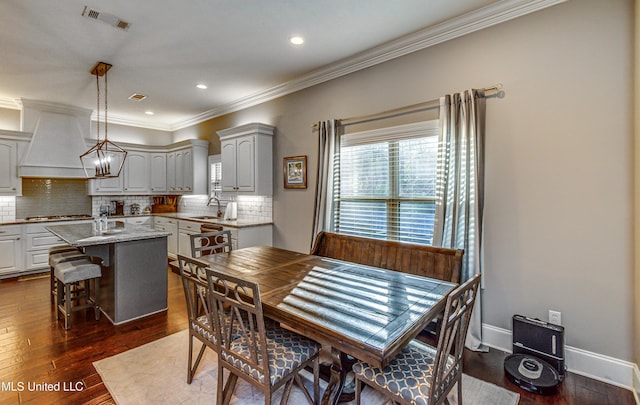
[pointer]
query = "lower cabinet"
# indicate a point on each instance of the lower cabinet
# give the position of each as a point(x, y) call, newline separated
point(183, 229)
point(11, 251)
point(168, 225)
point(146, 220)
point(38, 242)
point(251, 236)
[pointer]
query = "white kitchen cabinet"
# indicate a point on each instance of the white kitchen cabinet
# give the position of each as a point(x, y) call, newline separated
point(38, 241)
point(247, 159)
point(180, 168)
point(168, 225)
point(11, 254)
point(108, 185)
point(158, 172)
point(187, 169)
point(137, 173)
point(9, 180)
point(145, 220)
point(185, 230)
point(261, 235)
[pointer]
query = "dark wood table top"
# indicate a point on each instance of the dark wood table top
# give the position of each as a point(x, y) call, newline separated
point(367, 312)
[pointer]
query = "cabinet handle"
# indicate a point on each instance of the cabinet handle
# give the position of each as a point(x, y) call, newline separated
point(3, 231)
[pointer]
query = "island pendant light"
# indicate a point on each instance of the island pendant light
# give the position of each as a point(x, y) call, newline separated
point(105, 159)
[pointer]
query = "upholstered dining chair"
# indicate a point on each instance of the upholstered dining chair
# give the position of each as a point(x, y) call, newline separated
point(210, 242)
point(422, 374)
point(194, 282)
point(265, 354)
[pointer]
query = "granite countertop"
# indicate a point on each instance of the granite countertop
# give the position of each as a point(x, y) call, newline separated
point(20, 221)
point(236, 223)
point(84, 235)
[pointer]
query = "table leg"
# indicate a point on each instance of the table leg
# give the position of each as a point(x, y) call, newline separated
point(340, 367)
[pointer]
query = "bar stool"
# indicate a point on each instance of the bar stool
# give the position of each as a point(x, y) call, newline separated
point(60, 254)
point(78, 271)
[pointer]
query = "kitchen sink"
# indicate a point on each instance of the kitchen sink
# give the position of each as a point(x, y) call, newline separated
point(206, 217)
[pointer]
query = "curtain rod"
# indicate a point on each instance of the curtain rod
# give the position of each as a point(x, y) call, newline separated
point(410, 109)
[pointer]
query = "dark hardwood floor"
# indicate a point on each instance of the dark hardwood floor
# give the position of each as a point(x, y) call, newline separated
point(35, 349)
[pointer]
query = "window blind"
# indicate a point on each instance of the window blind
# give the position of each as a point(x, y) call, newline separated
point(386, 183)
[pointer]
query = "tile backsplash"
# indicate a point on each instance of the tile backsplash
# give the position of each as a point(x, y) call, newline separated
point(7, 209)
point(52, 197)
point(249, 207)
point(143, 200)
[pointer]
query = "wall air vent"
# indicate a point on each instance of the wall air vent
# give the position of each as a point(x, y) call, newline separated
point(137, 97)
point(110, 19)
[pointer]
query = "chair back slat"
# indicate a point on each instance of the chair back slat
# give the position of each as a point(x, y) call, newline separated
point(237, 309)
point(452, 334)
point(209, 243)
point(194, 283)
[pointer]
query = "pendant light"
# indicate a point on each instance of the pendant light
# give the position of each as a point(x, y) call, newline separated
point(105, 159)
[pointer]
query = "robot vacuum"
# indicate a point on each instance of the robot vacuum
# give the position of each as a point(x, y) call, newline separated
point(531, 374)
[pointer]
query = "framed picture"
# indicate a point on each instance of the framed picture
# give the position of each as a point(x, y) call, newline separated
point(295, 172)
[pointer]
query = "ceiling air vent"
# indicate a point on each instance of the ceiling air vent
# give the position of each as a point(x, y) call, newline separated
point(110, 19)
point(137, 97)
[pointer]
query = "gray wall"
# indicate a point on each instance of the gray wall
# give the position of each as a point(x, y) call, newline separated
point(558, 160)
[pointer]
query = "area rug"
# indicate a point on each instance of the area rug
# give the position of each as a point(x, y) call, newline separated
point(156, 373)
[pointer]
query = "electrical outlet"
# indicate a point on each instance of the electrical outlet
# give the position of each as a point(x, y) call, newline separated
point(555, 317)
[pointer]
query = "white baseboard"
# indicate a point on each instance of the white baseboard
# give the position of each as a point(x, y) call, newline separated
point(603, 368)
point(636, 383)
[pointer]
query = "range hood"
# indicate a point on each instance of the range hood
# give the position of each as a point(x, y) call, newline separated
point(59, 133)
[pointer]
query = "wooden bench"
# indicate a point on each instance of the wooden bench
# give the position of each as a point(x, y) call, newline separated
point(441, 263)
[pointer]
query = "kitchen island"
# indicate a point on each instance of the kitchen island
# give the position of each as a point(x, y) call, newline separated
point(134, 271)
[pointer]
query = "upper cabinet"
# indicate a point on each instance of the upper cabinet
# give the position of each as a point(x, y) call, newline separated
point(136, 173)
point(9, 179)
point(158, 172)
point(180, 168)
point(187, 169)
point(12, 147)
point(247, 159)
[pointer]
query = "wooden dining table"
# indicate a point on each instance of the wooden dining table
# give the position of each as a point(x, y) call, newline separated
point(360, 311)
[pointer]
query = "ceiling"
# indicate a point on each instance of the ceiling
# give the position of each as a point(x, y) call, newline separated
point(239, 49)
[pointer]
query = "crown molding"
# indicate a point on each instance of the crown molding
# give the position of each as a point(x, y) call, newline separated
point(9, 103)
point(476, 20)
point(473, 21)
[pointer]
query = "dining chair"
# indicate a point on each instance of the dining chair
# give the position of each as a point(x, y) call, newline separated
point(210, 242)
point(423, 374)
point(265, 354)
point(194, 283)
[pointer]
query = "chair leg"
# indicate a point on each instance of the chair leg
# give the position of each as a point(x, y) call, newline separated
point(53, 283)
point(358, 385)
point(460, 390)
point(229, 387)
point(59, 298)
point(316, 381)
point(96, 297)
point(194, 367)
point(67, 306)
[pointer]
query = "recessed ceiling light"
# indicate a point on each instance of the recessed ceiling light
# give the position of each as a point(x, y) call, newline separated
point(201, 86)
point(149, 112)
point(296, 40)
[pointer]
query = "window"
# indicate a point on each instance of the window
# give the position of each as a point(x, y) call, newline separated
point(387, 183)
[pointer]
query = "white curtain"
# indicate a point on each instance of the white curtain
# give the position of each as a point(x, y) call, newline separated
point(460, 188)
point(328, 162)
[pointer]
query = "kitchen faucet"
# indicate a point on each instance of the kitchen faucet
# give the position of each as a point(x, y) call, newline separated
point(219, 213)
